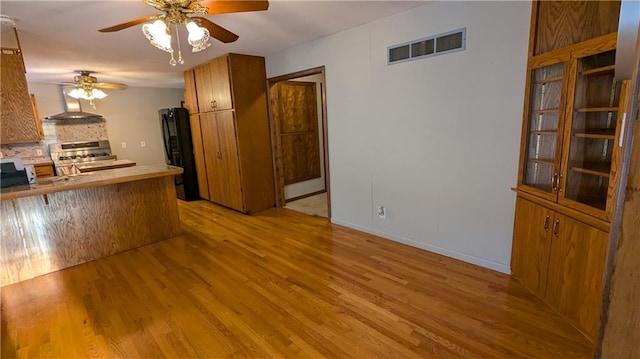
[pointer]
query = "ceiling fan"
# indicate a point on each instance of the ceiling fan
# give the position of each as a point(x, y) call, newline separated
point(157, 28)
point(87, 87)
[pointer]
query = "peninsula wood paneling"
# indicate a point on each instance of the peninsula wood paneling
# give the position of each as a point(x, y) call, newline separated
point(279, 284)
point(563, 23)
point(45, 233)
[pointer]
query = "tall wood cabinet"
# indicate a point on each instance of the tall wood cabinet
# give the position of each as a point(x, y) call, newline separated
point(570, 153)
point(19, 123)
point(230, 131)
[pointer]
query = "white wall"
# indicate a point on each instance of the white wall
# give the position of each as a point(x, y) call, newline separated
point(436, 140)
point(131, 116)
point(316, 184)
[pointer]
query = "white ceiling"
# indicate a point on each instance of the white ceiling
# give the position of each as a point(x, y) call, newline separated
point(59, 37)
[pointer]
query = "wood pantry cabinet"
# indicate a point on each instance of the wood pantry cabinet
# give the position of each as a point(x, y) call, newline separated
point(569, 157)
point(232, 143)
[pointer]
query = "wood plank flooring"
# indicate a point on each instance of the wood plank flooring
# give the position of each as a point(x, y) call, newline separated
point(278, 284)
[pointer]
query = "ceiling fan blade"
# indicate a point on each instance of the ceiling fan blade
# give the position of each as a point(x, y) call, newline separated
point(216, 31)
point(109, 86)
point(224, 7)
point(127, 24)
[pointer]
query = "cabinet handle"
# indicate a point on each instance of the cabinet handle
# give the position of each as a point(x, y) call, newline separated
point(546, 224)
point(214, 104)
point(556, 224)
point(554, 183)
point(559, 182)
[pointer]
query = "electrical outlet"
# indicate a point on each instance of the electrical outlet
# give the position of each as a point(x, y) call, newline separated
point(39, 152)
point(124, 145)
point(143, 144)
point(382, 212)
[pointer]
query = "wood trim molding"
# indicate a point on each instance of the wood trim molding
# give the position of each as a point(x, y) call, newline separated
point(620, 323)
point(273, 120)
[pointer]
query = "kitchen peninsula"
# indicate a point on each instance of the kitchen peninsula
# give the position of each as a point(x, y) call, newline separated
point(68, 220)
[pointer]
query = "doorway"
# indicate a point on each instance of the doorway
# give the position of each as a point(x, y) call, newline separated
point(297, 109)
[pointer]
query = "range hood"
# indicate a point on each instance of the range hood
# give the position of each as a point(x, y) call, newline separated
point(72, 110)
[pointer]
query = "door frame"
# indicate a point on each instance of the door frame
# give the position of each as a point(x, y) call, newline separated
point(275, 133)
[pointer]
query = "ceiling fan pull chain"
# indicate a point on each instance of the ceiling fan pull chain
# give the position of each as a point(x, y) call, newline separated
point(180, 60)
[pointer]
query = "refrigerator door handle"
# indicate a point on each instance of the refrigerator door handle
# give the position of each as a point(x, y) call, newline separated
point(166, 136)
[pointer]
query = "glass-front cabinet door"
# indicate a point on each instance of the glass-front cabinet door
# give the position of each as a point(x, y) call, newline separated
point(543, 135)
point(590, 140)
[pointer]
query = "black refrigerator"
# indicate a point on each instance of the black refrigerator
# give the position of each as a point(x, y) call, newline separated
point(178, 150)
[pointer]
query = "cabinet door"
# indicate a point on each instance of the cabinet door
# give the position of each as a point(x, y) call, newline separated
point(228, 191)
point(198, 154)
point(542, 132)
point(202, 75)
point(576, 266)
point(531, 245)
point(18, 121)
point(220, 84)
point(588, 181)
point(221, 159)
point(210, 151)
point(213, 85)
point(190, 92)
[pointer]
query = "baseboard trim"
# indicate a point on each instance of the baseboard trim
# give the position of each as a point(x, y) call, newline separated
point(435, 249)
point(304, 196)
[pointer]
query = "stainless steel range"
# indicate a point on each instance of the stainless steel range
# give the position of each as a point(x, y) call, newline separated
point(66, 155)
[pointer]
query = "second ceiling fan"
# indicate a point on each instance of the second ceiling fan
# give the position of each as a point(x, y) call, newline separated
point(157, 28)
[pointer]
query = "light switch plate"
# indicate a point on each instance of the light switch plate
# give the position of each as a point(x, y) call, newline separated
point(124, 145)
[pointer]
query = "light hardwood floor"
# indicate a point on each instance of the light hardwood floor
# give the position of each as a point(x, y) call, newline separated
point(278, 284)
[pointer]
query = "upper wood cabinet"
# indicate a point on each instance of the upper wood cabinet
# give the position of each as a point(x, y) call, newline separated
point(558, 24)
point(213, 85)
point(190, 93)
point(19, 123)
point(231, 133)
point(571, 130)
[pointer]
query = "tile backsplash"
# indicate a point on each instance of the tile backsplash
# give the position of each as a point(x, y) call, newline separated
point(69, 131)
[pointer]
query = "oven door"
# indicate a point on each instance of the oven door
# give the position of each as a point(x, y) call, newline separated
point(66, 169)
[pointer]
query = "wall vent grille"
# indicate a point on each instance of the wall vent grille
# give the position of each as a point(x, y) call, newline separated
point(452, 41)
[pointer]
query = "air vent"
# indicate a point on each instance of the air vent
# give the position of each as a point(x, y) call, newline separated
point(399, 53)
point(440, 44)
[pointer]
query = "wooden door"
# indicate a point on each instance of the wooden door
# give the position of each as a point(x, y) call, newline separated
point(190, 92)
point(576, 265)
point(221, 159)
point(531, 245)
point(210, 151)
point(298, 126)
point(198, 154)
point(220, 84)
point(202, 75)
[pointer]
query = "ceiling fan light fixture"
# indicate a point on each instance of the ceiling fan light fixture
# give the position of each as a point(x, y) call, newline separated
point(87, 94)
point(198, 37)
point(158, 36)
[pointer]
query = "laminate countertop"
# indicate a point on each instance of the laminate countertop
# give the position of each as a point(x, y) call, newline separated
point(103, 165)
point(90, 179)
